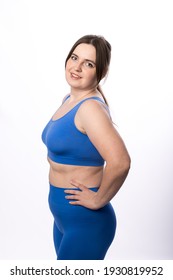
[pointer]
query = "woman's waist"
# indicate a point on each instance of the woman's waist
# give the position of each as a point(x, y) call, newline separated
point(66, 168)
point(60, 175)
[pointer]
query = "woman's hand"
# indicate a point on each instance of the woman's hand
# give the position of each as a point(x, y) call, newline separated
point(84, 196)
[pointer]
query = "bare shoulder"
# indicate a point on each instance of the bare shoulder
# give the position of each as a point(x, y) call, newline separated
point(93, 109)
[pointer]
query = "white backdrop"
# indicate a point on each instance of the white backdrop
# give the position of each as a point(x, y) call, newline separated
point(35, 37)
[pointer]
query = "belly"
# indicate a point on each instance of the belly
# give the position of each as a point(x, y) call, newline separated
point(60, 175)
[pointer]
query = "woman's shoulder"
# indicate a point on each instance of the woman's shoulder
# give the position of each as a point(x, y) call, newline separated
point(93, 106)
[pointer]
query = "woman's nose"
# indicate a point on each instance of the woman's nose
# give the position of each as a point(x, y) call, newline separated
point(78, 66)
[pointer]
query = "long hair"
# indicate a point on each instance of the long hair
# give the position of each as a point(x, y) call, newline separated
point(103, 56)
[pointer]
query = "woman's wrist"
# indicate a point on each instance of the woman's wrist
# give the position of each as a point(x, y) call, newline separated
point(98, 202)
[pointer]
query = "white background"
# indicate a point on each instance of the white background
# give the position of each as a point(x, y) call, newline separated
point(35, 37)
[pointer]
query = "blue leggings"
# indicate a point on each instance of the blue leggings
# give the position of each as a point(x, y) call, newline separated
point(80, 233)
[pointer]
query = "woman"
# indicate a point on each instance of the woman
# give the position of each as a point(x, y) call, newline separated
point(88, 159)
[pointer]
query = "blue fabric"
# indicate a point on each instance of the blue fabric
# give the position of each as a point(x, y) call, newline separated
point(80, 233)
point(67, 145)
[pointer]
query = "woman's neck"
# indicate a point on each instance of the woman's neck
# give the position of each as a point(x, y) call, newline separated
point(79, 95)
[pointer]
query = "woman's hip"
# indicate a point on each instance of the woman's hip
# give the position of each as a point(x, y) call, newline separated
point(75, 215)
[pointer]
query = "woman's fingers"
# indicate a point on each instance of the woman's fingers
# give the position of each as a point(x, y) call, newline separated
point(81, 196)
point(77, 185)
point(73, 194)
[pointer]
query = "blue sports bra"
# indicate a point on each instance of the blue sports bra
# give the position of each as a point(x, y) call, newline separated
point(66, 144)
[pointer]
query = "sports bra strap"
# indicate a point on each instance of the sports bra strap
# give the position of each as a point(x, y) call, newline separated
point(65, 98)
point(76, 107)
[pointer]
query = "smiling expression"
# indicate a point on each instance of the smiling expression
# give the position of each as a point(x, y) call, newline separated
point(81, 68)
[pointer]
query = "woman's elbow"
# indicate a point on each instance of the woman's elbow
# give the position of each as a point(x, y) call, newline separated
point(126, 163)
point(121, 164)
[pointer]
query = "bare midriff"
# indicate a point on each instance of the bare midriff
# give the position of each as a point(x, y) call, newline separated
point(60, 175)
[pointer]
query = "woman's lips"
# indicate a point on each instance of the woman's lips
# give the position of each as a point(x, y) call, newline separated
point(75, 76)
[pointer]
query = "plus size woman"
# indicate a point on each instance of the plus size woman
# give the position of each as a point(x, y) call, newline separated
point(88, 159)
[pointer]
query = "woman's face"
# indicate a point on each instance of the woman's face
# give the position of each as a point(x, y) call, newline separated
point(81, 68)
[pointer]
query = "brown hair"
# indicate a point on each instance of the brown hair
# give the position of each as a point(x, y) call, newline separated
point(103, 56)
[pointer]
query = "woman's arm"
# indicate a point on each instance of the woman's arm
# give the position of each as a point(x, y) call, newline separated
point(98, 126)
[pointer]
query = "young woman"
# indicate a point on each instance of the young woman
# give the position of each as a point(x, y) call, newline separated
point(88, 159)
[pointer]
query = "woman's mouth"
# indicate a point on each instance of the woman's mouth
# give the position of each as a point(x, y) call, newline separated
point(75, 76)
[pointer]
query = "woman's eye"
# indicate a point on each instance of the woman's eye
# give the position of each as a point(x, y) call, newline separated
point(89, 64)
point(73, 57)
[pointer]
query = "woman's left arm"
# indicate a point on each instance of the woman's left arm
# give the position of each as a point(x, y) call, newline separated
point(102, 133)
